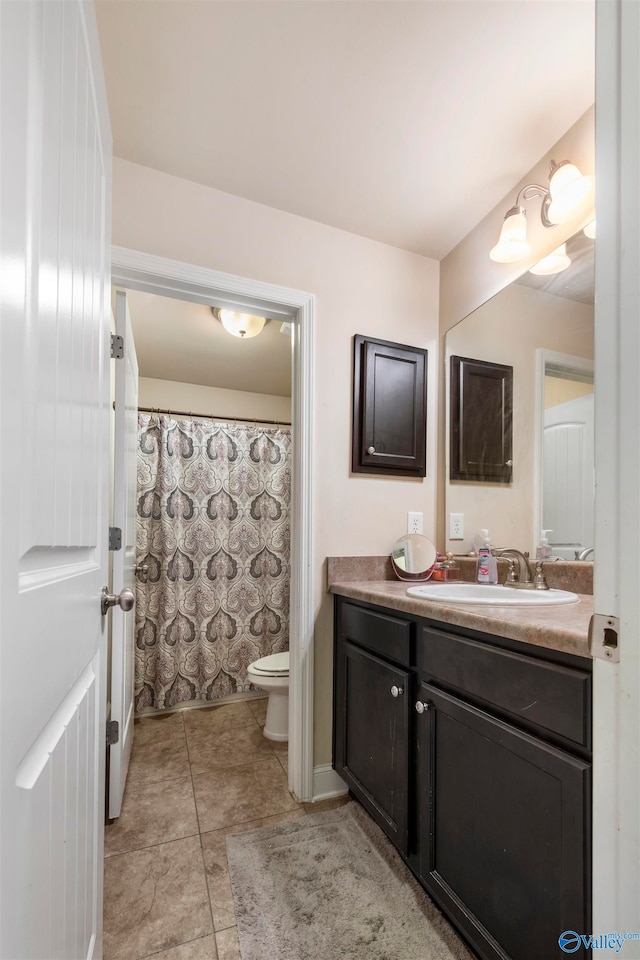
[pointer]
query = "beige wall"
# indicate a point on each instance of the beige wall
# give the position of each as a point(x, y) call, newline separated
point(219, 402)
point(361, 287)
point(558, 390)
point(468, 277)
point(509, 329)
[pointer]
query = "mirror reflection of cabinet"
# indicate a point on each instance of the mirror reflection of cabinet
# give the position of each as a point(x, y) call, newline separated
point(481, 418)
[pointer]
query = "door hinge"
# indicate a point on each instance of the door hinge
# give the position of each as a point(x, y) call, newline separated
point(117, 347)
point(604, 633)
point(115, 538)
point(113, 732)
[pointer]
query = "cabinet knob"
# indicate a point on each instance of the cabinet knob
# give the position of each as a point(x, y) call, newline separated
point(371, 450)
point(396, 691)
point(508, 463)
point(421, 707)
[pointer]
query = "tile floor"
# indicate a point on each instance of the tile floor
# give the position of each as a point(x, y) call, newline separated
point(195, 777)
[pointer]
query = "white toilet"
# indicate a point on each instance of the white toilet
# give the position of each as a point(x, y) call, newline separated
point(272, 674)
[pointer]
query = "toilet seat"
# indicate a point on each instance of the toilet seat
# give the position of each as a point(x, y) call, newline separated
point(275, 665)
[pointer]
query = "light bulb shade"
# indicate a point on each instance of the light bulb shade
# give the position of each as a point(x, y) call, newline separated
point(243, 325)
point(569, 191)
point(555, 262)
point(590, 230)
point(513, 244)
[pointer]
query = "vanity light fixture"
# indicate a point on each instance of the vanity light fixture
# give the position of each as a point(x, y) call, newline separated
point(243, 325)
point(513, 244)
point(567, 193)
point(555, 262)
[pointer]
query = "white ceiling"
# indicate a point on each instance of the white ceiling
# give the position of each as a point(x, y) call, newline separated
point(406, 122)
point(179, 340)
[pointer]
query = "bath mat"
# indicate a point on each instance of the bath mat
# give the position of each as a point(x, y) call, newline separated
point(331, 887)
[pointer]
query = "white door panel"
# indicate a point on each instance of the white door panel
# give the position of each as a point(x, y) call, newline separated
point(54, 355)
point(568, 461)
point(124, 560)
point(616, 687)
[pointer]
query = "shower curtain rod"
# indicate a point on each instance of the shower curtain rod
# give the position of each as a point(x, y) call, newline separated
point(211, 416)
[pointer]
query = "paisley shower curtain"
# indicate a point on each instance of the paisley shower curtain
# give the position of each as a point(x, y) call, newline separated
point(213, 531)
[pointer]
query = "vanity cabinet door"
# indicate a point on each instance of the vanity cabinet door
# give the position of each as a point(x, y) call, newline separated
point(503, 822)
point(389, 408)
point(372, 736)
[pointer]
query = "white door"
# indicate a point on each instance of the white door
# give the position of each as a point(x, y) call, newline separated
point(124, 559)
point(54, 461)
point(567, 489)
point(616, 686)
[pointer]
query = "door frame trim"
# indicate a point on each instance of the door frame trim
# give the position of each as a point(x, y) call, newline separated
point(153, 274)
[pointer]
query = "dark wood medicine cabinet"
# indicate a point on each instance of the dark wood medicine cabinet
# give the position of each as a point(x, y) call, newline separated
point(389, 408)
point(481, 421)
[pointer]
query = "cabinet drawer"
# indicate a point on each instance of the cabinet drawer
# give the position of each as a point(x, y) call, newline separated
point(552, 697)
point(379, 632)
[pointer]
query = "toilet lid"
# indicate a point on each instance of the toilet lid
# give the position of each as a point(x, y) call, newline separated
point(276, 664)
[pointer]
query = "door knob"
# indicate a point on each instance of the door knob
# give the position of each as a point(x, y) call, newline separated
point(396, 691)
point(421, 706)
point(142, 570)
point(125, 600)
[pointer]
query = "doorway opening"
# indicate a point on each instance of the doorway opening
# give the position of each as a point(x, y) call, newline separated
point(565, 427)
point(149, 275)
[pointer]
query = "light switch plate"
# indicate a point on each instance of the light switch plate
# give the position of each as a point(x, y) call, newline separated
point(456, 526)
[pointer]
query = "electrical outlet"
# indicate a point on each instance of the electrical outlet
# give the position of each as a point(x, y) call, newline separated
point(415, 522)
point(456, 526)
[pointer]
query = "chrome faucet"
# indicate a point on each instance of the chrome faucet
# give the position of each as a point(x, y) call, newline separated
point(583, 554)
point(524, 579)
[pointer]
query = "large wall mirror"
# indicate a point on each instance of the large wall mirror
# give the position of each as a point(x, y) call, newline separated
point(542, 327)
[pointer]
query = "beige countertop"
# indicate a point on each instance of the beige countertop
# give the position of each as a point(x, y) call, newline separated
point(564, 627)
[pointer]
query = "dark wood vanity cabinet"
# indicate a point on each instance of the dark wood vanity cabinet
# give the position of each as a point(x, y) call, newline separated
point(489, 806)
point(389, 408)
point(501, 829)
point(373, 753)
point(372, 699)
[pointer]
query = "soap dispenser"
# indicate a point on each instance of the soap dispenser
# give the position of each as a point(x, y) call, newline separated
point(487, 570)
point(544, 548)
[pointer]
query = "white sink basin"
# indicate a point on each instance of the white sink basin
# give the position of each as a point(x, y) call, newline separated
point(485, 593)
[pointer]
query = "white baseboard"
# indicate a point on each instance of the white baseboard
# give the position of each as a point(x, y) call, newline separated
point(327, 783)
point(201, 704)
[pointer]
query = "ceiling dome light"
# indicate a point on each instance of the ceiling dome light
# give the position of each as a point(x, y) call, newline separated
point(590, 230)
point(513, 244)
point(556, 262)
point(568, 190)
point(243, 325)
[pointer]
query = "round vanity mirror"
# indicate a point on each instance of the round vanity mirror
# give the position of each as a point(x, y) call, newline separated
point(413, 557)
